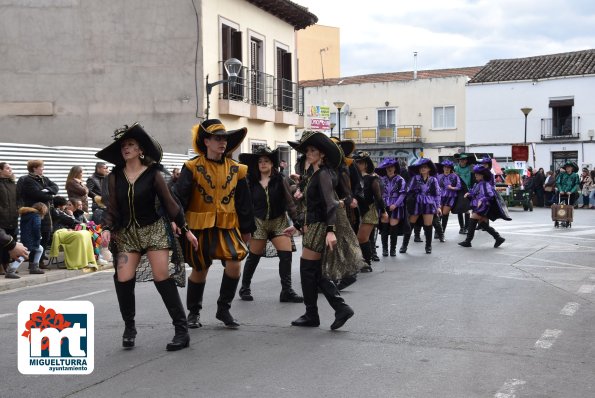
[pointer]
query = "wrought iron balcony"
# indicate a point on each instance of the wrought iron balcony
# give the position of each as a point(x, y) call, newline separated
point(383, 134)
point(554, 129)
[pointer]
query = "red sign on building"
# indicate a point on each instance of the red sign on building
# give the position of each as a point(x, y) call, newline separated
point(520, 153)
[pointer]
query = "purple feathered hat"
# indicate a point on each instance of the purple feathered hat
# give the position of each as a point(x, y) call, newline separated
point(479, 169)
point(445, 163)
point(387, 162)
point(414, 168)
point(486, 160)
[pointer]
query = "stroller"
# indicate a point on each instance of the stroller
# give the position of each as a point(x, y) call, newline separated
point(562, 213)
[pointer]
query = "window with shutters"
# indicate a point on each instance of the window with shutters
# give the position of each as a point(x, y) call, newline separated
point(256, 72)
point(387, 118)
point(285, 93)
point(443, 118)
point(231, 47)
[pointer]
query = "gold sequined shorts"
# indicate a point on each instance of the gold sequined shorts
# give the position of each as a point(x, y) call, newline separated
point(269, 229)
point(315, 237)
point(143, 239)
point(371, 216)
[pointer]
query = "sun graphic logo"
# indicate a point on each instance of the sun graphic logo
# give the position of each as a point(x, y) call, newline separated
point(56, 337)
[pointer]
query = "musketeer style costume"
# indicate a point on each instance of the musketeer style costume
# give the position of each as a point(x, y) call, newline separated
point(569, 182)
point(423, 196)
point(216, 198)
point(448, 196)
point(321, 204)
point(133, 218)
point(271, 206)
point(485, 202)
point(371, 206)
point(343, 263)
point(394, 194)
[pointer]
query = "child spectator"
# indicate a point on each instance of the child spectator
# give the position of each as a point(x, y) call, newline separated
point(31, 233)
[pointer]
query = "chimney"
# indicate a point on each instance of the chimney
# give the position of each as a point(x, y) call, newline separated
point(415, 65)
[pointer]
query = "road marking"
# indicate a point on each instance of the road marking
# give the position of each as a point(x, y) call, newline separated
point(5, 315)
point(547, 338)
point(509, 388)
point(18, 289)
point(85, 295)
point(545, 260)
point(586, 289)
point(569, 309)
point(549, 235)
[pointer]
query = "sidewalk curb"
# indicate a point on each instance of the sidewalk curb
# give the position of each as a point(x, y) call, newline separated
point(51, 275)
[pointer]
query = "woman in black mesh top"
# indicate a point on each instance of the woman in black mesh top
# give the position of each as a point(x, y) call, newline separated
point(136, 189)
point(321, 202)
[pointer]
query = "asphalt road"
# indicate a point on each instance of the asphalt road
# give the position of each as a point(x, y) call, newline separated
point(481, 322)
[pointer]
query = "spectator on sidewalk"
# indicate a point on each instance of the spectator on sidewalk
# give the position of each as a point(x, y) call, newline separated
point(592, 193)
point(31, 233)
point(568, 182)
point(61, 216)
point(549, 188)
point(586, 185)
point(538, 182)
point(32, 188)
point(75, 188)
point(9, 216)
point(13, 249)
point(95, 183)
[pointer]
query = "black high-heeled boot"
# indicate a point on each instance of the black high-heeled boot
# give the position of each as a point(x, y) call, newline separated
point(194, 295)
point(249, 268)
point(438, 232)
point(490, 230)
point(126, 301)
point(226, 293)
point(342, 311)
point(171, 298)
point(444, 222)
point(470, 233)
point(367, 254)
point(417, 232)
point(393, 240)
point(428, 235)
point(384, 234)
point(287, 295)
point(346, 281)
point(310, 273)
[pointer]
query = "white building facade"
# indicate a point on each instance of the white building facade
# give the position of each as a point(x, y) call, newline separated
point(560, 125)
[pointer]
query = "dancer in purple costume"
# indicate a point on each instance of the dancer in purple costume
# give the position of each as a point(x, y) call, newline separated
point(450, 185)
point(394, 194)
point(485, 206)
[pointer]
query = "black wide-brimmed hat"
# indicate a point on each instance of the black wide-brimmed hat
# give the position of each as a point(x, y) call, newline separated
point(213, 127)
point(319, 140)
point(113, 152)
point(471, 158)
point(251, 159)
point(362, 156)
point(479, 169)
point(573, 165)
point(387, 162)
point(414, 168)
point(347, 146)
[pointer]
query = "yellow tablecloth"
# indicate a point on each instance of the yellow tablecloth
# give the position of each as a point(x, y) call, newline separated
point(77, 246)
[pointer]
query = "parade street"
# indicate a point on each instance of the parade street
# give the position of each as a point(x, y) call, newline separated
point(516, 321)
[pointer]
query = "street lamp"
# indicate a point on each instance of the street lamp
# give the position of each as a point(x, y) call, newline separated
point(332, 127)
point(526, 113)
point(232, 67)
point(339, 105)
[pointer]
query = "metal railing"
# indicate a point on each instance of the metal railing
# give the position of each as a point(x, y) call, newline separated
point(556, 129)
point(383, 134)
point(259, 88)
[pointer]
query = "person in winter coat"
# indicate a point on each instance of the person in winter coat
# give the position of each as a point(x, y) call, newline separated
point(31, 233)
point(9, 216)
point(75, 188)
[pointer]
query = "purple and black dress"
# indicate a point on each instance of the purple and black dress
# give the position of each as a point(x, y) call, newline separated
point(426, 195)
point(481, 196)
point(395, 192)
point(449, 196)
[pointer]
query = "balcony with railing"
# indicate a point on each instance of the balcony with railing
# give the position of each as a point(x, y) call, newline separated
point(392, 134)
point(258, 95)
point(555, 129)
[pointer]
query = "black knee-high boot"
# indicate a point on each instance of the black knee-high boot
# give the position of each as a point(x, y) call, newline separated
point(288, 295)
point(171, 298)
point(384, 233)
point(428, 234)
point(444, 223)
point(417, 231)
point(470, 233)
point(226, 293)
point(490, 230)
point(373, 236)
point(393, 240)
point(406, 236)
point(310, 273)
point(367, 254)
point(438, 232)
point(342, 311)
point(249, 268)
point(461, 218)
point(467, 218)
point(126, 301)
point(346, 281)
point(194, 293)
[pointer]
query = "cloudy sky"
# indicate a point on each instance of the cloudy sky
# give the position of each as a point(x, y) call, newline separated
point(381, 35)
